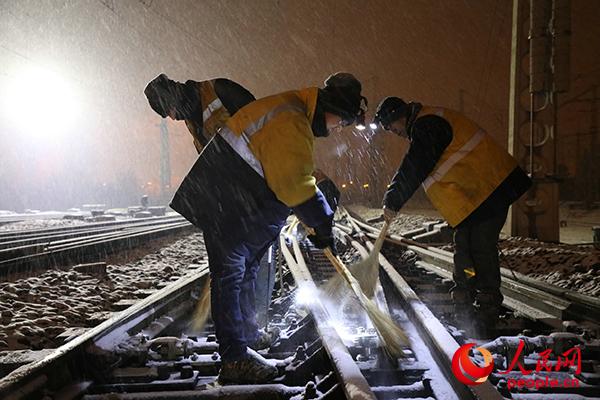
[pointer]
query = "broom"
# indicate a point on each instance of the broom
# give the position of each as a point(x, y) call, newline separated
point(366, 271)
point(202, 309)
point(391, 336)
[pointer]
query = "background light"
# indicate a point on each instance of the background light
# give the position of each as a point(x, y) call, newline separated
point(40, 104)
point(373, 125)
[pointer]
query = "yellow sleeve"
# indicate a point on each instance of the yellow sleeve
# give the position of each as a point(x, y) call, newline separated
point(285, 149)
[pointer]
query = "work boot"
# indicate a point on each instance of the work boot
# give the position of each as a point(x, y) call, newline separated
point(264, 340)
point(253, 369)
point(487, 307)
point(462, 301)
point(460, 296)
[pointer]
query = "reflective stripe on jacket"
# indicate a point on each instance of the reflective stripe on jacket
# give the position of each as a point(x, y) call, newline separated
point(214, 115)
point(469, 170)
point(274, 136)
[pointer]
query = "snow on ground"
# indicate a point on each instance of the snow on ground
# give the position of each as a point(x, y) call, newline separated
point(568, 266)
point(34, 310)
point(405, 221)
point(40, 224)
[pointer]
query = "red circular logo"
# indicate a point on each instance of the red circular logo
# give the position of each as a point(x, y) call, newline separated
point(466, 371)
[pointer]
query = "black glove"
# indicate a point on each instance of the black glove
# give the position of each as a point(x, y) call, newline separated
point(323, 237)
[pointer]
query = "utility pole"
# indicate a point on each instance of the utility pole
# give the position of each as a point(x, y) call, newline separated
point(595, 157)
point(539, 72)
point(587, 154)
point(165, 162)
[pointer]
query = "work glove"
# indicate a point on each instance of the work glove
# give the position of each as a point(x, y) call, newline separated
point(323, 237)
point(389, 214)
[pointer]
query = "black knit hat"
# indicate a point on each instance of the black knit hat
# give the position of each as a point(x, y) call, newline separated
point(389, 110)
point(341, 96)
point(164, 95)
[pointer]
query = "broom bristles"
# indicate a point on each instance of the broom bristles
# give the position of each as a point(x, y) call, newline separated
point(392, 337)
point(202, 310)
point(390, 334)
point(365, 271)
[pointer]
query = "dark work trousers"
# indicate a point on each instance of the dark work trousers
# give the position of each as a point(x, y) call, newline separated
point(265, 282)
point(233, 265)
point(476, 247)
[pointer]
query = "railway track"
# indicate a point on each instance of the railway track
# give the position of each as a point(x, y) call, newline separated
point(323, 352)
point(534, 299)
point(22, 252)
point(537, 316)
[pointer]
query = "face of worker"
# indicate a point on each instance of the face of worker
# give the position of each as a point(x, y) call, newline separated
point(398, 127)
point(334, 123)
point(172, 113)
point(180, 111)
point(178, 103)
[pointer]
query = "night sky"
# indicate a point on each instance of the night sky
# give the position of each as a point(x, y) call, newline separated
point(93, 129)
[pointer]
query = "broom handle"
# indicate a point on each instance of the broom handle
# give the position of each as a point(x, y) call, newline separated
point(337, 263)
point(397, 238)
point(343, 271)
point(382, 234)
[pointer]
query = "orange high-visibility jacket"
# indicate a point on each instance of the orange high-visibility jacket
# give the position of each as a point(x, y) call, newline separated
point(469, 170)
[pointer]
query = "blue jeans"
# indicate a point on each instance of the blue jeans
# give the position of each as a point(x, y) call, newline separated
point(233, 265)
point(265, 282)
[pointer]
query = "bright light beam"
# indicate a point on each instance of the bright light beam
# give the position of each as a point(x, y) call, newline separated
point(41, 104)
point(305, 296)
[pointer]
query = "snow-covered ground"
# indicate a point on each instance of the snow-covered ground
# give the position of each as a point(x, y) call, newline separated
point(34, 310)
point(404, 221)
point(569, 266)
point(40, 224)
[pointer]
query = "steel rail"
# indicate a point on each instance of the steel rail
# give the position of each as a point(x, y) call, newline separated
point(55, 242)
point(431, 334)
point(355, 385)
point(537, 300)
point(63, 366)
point(441, 343)
point(87, 250)
point(34, 233)
point(77, 233)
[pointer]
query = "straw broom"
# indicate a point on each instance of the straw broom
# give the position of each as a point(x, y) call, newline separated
point(365, 271)
point(391, 336)
point(202, 309)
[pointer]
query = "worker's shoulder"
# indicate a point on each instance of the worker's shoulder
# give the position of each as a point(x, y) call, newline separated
point(291, 100)
point(274, 107)
point(431, 128)
point(431, 121)
point(291, 97)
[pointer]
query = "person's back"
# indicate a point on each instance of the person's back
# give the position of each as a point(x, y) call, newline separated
point(471, 169)
point(205, 106)
point(469, 178)
point(240, 190)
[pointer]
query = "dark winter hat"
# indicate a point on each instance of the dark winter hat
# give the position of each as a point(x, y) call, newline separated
point(164, 95)
point(389, 110)
point(341, 96)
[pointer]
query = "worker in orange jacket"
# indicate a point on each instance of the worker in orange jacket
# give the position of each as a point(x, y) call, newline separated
point(469, 178)
point(255, 169)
